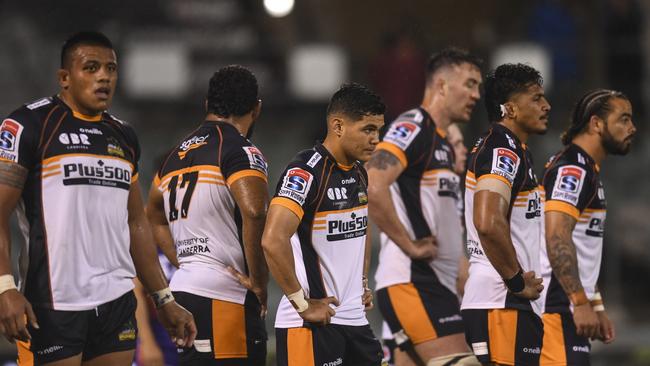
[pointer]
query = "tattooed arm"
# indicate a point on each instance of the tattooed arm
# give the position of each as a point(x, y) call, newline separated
point(562, 256)
point(383, 170)
point(13, 305)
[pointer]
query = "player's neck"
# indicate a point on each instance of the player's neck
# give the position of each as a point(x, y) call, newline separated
point(436, 110)
point(242, 124)
point(592, 146)
point(70, 102)
point(518, 131)
point(334, 147)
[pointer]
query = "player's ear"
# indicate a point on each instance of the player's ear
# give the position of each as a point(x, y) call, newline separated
point(596, 124)
point(63, 76)
point(336, 125)
point(510, 111)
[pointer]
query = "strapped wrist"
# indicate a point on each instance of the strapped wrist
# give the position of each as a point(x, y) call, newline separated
point(298, 301)
point(162, 297)
point(516, 283)
point(597, 302)
point(578, 298)
point(7, 283)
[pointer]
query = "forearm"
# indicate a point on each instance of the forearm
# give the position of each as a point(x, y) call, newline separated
point(498, 247)
point(5, 247)
point(165, 242)
point(367, 255)
point(145, 257)
point(564, 262)
point(252, 229)
point(279, 257)
point(382, 213)
point(142, 314)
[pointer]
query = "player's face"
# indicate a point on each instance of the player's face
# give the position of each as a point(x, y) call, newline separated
point(532, 110)
point(455, 138)
point(463, 91)
point(89, 82)
point(359, 138)
point(619, 130)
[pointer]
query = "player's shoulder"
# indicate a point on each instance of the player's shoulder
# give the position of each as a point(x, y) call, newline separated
point(570, 156)
point(33, 112)
point(309, 159)
point(404, 129)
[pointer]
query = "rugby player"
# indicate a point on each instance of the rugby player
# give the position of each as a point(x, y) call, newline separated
point(503, 221)
point(71, 170)
point(316, 240)
point(209, 201)
point(414, 193)
point(574, 214)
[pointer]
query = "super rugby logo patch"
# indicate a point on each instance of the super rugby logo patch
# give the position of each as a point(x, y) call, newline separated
point(402, 134)
point(505, 163)
point(256, 159)
point(568, 184)
point(295, 185)
point(10, 132)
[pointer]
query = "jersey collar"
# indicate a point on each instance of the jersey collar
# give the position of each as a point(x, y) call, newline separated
point(323, 151)
point(76, 114)
point(591, 160)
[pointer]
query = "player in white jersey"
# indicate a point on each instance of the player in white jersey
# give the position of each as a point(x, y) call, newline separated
point(574, 214)
point(502, 217)
point(71, 170)
point(209, 202)
point(414, 200)
point(316, 241)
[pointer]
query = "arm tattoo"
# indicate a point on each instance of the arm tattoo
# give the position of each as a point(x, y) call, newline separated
point(563, 258)
point(12, 174)
point(381, 160)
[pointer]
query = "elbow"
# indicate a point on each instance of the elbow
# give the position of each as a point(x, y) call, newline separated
point(485, 227)
point(255, 213)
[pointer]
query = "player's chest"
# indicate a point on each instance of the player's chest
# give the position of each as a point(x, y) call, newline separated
point(76, 138)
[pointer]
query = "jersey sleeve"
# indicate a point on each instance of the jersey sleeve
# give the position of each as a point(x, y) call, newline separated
point(568, 189)
point(404, 140)
point(243, 160)
point(296, 189)
point(19, 138)
point(134, 145)
point(497, 159)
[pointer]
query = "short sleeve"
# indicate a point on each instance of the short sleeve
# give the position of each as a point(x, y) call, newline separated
point(243, 160)
point(19, 139)
point(567, 189)
point(404, 140)
point(134, 146)
point(296, 189)
point(497, 161)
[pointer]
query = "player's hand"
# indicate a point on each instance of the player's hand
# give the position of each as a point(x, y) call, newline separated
point(532, 286)
point(319, 311)
point(259, 291)
point(179, 323)
point(586, 320)
point(13, 308)
point(607, 332)
point(423, 249)
point(366, 298)
point(149, 354)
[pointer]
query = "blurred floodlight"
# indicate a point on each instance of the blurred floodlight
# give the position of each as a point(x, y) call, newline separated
point(278, 8)
point(526, 53)
point(156, 70)
point(316, 71)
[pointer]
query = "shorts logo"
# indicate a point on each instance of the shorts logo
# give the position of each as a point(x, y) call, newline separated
point(505, 163)
point(535, 350)
point(10, 132)
point(337, 362)
point(49, 350)
point(584, 349)
point(126, 335)
point(480, 348)
point(295, 185)
point(402, 134)
point(256, 159)
point(568, 184)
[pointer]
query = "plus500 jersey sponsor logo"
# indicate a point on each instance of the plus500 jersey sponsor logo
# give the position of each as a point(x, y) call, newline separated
point(98, 174)
point(349, 227)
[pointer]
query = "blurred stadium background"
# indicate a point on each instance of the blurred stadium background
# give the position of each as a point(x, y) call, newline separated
point(168, 49)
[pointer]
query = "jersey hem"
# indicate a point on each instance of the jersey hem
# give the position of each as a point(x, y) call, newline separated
point(210, 295)
point(82, 307)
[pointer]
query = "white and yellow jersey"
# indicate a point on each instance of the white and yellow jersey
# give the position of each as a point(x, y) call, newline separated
point(329, 245)
point(425, 197)
point(203, 216)
point(573, 186)
point(500, 155)
point(73, 213)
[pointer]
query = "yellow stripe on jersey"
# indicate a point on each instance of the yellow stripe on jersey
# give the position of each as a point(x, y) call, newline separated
point(210, 168)
point(561, 206)
point(289, 204)
point(50, 167)
point(86, 117)
point(393, 149)
point(245, 173)
point(59, 157)
point(495, 176)
point(325, 213)
point(135, 178)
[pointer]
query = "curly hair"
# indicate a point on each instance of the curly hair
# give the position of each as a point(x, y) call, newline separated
point(355, 101)
point(232, 91)
point(505, 81)
point(450, 56)
point(593, 103)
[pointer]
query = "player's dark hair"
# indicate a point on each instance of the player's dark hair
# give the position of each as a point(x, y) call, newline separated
point(505, 81)
point(356, 101)
point(87, 38)
point(233, 91)
point(450, 56)
point(593, 103)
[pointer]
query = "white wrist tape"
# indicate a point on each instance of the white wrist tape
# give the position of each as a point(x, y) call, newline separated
point(7, 283)
point(298, 300)
point(597, 302)
point(162, 297)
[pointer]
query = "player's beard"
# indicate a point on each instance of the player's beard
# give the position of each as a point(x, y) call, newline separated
point(612, 146)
